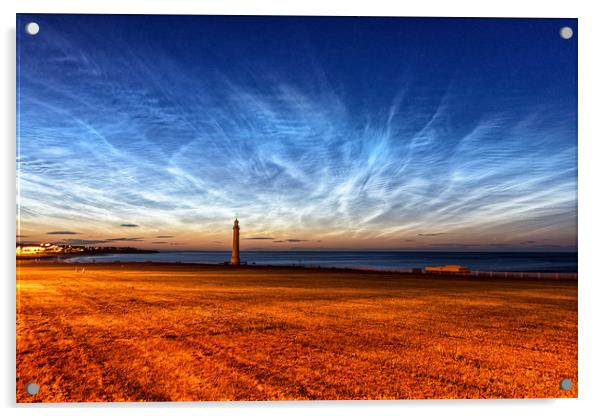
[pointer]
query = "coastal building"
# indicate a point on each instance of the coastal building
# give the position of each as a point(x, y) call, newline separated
point(38, 250)
point(450, 268)
point(29, 250)
point(235, 258)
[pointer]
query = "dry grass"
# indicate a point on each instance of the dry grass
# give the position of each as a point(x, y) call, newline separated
point(142, 332)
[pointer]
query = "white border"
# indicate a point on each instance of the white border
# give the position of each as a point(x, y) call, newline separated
point(590, 161)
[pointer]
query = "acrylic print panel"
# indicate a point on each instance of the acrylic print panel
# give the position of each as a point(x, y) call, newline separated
point(295, 208)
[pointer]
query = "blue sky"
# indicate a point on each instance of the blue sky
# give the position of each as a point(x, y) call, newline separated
point(361, 133)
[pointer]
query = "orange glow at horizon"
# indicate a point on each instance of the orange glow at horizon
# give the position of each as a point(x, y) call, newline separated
point(290, 239)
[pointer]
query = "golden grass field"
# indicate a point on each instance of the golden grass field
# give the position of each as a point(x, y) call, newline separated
point(149, 332)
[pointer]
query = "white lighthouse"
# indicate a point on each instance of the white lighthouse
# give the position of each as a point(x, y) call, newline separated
point(235, 259)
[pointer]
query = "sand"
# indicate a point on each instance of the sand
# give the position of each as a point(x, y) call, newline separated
point(149, 332)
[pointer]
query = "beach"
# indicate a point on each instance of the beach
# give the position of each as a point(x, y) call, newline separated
point(181, 332)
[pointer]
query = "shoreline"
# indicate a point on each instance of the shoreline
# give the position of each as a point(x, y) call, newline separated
point(473, 275)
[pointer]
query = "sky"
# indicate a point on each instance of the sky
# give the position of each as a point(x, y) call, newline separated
point(316, 132)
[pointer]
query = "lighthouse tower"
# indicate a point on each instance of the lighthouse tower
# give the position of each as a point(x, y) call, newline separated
point(235, 259)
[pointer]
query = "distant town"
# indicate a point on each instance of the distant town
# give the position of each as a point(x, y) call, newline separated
point(51, 250)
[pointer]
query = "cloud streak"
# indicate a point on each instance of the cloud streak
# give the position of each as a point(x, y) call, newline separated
point(82, 241)
point(79, 242)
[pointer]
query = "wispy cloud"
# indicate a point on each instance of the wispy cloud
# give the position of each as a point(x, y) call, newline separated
point(297, 147)
point(62, 233)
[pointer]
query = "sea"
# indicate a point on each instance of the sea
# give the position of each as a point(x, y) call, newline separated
point(383, 260)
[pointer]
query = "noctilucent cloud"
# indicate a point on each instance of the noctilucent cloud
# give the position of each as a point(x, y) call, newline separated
point(333, 133)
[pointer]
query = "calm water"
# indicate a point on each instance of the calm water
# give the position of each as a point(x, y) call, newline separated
point(524, 262)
